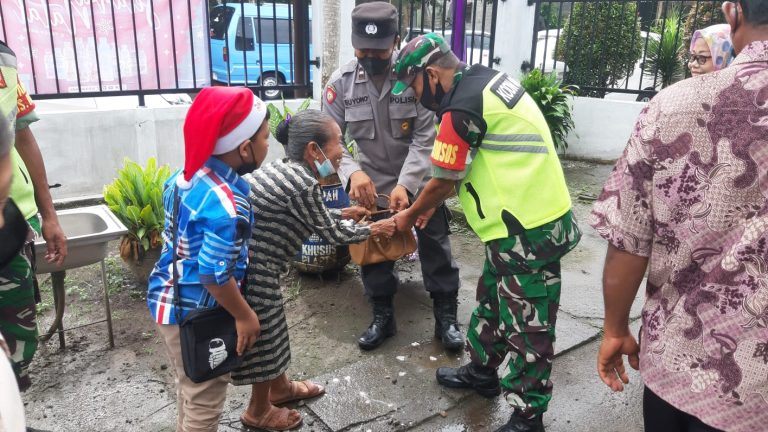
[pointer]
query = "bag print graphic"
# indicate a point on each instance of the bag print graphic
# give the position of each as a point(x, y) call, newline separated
point(218, 350)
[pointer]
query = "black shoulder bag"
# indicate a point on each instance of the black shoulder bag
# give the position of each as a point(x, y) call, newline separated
point(208, 336)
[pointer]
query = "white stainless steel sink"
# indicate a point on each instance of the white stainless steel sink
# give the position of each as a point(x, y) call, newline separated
point(88, 230)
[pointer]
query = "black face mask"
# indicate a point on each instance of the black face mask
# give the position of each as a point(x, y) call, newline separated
point(428, 100)
point(374, 66)
point(248, 167)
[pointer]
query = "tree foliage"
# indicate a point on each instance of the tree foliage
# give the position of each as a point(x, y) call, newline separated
point(600, 43)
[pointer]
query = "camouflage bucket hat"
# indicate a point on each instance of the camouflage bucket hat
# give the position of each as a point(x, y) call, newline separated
point(418, 54)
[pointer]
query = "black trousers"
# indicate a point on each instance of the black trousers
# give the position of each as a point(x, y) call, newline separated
point(439, 270)
point(659, 416)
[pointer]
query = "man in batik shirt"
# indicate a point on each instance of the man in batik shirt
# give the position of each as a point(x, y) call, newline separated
point(690, 197)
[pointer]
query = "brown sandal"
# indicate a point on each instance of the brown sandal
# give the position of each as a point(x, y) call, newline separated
point(275, 420)
point(312, 391)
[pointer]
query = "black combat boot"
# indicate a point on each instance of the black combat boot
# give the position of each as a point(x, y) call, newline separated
point(383, 325)
point(520, 424)
point(480, 378)
point(446, 325)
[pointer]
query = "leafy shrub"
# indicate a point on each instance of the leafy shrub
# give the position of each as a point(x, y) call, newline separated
point(600, 43)
point(554, 100)
point(664, 57)
point(276, 117)
point(549, 15)
point(136, 198)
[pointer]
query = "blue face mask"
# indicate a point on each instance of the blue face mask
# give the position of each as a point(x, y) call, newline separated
point(326, 168)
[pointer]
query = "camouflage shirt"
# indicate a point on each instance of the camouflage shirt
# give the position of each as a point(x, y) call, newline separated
point(691, 193)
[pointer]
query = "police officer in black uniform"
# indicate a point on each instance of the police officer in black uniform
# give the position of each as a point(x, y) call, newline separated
point(394, 136)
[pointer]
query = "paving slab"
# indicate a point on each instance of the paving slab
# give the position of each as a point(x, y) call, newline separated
point(473, 414)
point(60, 409)
point(582, 292)
point(580, 403)
point(398, 389)
point(400, 386)
point(572, 333)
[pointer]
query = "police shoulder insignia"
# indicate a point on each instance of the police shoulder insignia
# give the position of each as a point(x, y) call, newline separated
point(3, 84)
point(330, 94)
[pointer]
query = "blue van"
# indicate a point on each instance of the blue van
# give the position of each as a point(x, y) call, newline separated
point(265, 46)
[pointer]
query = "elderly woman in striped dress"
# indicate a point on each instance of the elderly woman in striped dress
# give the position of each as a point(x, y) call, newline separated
point(288, 208)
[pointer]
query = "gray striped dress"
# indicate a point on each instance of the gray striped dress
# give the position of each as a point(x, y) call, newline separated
point(288, 208)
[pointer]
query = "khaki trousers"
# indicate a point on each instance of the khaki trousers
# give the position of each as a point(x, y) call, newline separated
point(199, 406)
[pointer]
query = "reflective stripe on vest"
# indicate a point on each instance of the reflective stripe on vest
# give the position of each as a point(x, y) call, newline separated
point(515, 148)
point(22, 191)
point(513, 138)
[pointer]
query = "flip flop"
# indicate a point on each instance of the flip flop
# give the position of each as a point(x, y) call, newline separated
point(313, 391)
point(274, 415)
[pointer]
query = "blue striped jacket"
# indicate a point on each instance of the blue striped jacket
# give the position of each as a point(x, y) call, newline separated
point(214, 224)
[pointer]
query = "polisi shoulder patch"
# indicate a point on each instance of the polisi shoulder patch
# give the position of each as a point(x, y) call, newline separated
point(508, 90)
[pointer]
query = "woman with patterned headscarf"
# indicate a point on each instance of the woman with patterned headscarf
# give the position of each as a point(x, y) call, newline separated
point(711, 49)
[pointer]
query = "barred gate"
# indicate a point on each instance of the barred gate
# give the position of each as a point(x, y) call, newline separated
point(90, 48)
point(476, 22)
point(618, 49)
point(264, 46)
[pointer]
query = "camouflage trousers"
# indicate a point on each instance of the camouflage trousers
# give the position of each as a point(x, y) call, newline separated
point(18, 323)
point(519, 295)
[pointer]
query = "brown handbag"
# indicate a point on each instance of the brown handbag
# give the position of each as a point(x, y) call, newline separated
point(378, 249)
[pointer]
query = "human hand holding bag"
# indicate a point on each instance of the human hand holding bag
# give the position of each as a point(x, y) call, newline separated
point(380, 248)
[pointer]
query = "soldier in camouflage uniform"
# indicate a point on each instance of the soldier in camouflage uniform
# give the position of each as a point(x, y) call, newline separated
point(493, 145)
point(29, 191)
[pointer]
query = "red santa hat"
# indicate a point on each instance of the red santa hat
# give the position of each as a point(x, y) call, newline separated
point(218, 121)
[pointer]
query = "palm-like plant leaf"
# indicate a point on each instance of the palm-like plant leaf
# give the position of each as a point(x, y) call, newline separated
point(664, 56)
point(136, 198)
point(554, 101)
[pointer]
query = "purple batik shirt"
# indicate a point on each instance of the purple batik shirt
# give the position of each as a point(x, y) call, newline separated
point(691, 193)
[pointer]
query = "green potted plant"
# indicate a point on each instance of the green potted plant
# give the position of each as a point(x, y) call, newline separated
point(665, 55)
point(136, 198)
point(554, 100)
point(276, 117)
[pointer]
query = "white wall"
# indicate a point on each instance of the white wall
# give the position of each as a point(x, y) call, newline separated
point(514, 30)
point(84, 149)
point(317, 46)
point(346, 50)
point(602, 128)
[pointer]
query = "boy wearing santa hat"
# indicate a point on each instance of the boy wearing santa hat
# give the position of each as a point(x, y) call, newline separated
point(225, 135)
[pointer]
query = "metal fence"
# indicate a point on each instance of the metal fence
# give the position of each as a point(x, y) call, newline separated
point(265, 46)
point(620, 49)
point(88, 48)
point(476, 22)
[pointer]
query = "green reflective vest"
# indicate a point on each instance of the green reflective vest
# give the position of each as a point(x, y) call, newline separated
point(515, 181)
point(22, 191)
